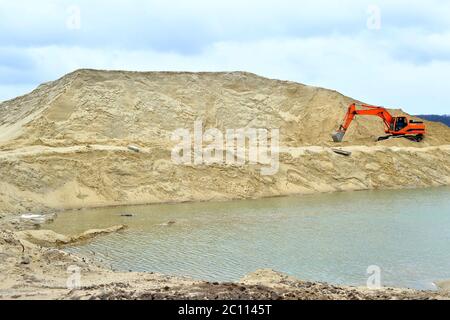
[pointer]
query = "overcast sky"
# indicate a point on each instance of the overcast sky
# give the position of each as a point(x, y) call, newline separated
point(394, 53)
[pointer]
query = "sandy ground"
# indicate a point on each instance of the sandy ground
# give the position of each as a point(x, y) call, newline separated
point(66, 146)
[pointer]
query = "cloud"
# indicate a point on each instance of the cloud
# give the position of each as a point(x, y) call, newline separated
point(187, 26)
point(323, 43)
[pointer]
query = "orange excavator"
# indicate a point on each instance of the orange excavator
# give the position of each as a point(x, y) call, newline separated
point(396, 127)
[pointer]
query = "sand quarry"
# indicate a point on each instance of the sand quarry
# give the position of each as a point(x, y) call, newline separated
point(66, 146)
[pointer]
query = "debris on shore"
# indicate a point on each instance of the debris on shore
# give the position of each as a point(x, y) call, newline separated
point(342, 152)
point(51, 238)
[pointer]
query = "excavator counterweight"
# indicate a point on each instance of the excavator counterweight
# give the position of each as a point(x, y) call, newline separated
point(395, 127)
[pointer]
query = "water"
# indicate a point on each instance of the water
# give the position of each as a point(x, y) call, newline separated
point(326, 237)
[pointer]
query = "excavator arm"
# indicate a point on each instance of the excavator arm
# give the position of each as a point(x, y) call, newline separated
point(369, 110)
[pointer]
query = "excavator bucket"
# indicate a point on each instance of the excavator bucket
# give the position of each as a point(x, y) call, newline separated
point(338, 136)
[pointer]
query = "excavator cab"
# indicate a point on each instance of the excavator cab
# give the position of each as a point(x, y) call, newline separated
point(400, 123)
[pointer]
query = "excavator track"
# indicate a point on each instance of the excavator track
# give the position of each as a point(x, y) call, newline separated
point(417, 138)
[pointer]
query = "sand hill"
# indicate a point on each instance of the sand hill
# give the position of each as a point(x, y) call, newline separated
point(87, 106)
point(65, 144)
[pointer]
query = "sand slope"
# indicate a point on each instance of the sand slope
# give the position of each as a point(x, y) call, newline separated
point(65, 144)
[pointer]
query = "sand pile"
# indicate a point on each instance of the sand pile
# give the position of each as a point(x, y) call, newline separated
point(90, 106)
point(65, 144)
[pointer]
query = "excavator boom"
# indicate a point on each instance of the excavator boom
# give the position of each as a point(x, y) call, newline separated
point(394, 126)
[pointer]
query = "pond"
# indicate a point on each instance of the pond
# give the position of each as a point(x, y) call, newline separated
point(324, 237)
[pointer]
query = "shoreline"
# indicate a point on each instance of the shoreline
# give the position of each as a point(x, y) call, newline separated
point(56, 211)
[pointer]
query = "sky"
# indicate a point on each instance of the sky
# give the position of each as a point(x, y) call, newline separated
point(394, 53)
